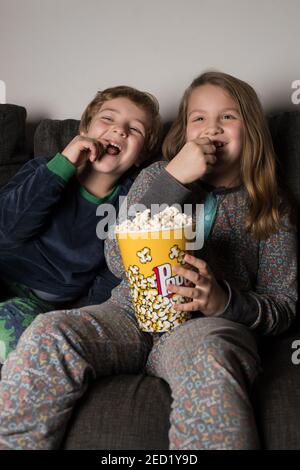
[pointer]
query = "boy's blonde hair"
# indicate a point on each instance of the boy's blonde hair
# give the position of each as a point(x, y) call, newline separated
point(258, 161)
point(142, 99)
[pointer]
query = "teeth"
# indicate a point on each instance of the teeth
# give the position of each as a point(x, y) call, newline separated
point(219, 144)
point(115, 145)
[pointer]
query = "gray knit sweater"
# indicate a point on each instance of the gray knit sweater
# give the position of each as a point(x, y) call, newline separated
point(261, 276)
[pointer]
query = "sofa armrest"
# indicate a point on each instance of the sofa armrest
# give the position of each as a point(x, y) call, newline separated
point(12, 134)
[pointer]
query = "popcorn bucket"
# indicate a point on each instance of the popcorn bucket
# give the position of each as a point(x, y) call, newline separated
point(148, 258)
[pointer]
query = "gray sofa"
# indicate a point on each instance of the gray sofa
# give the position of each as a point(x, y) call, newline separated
point(132, 411)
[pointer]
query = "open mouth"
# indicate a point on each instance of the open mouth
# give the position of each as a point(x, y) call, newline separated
point(113, 149)
point(219, 146)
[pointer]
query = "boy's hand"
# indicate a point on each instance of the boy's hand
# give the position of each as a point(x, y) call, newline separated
point(206, 293)
point(82, 149)
point(195, 159)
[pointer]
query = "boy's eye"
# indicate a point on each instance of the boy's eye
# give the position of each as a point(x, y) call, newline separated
point(228, 116)
point(199, 119)
point(107, 118)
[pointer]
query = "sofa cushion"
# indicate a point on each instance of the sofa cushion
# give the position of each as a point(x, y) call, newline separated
point(12, 135)
point(277, 393)
point(122, 412)
point(52, 136)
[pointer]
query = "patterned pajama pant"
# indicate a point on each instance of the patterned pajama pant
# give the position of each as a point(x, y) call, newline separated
point(16, 314)
point(209, 363)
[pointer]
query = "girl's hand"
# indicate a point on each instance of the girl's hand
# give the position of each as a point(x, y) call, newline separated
point(206, 293)
point(195, 159)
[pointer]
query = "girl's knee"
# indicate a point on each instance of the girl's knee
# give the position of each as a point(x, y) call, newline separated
point(207, 329)
point(207, 341)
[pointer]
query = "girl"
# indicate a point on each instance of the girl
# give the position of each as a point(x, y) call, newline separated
point(241, 284)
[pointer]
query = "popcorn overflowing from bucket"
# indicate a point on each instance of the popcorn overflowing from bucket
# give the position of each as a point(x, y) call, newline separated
point(170, 218)
point(148, 265)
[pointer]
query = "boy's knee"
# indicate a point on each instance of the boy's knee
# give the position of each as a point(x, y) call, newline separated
point(44, 323)
point(16, 329)
point(50, 318)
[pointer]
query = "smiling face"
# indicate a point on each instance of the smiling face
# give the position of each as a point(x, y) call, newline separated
point(120, 126)
point(213, 113)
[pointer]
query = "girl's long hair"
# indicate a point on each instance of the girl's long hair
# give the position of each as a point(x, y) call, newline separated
point(258, 161)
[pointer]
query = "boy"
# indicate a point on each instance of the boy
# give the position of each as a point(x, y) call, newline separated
point(49, 251)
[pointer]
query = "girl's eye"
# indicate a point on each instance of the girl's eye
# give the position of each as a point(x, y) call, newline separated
point(228, 117)
point(107, 118)
point(199, 119)
point(136, 130)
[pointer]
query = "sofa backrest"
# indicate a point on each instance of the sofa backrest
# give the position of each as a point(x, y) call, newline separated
point(52, 136)
point(285, 130)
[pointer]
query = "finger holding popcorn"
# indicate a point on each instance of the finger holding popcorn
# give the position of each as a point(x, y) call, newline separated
point(208, 295)
point(199, 264)
point(192, 276)
point(194, 292)
point(208, 304)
